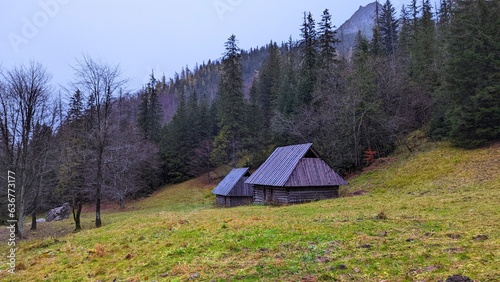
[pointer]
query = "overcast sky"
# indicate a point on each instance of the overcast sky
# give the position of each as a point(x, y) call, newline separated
point(141, 36)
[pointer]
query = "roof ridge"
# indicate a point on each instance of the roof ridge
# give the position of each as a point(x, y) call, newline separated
point(225, 186)
point(279, 166)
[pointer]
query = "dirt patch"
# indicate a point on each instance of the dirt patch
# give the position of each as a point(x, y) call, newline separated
point(454, 235)
point(458, 278)
point(480, 238)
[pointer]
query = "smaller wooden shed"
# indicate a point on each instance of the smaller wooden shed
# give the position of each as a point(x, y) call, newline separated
point(232, 190)
point(294, 174)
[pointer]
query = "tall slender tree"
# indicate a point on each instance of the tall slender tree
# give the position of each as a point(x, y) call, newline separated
point(100, 82)
point(287, 93)
point(376, 46)
point(74, 157)
point(388, 25)
point(231, 104)
point(150, 112)
point(308, 47)
point(327, 39)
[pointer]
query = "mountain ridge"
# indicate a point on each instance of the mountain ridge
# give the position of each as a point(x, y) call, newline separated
point(362, 20)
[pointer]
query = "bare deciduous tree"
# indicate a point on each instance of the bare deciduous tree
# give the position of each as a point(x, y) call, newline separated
point(24, 103)
point(99, 83)
point(127, 153)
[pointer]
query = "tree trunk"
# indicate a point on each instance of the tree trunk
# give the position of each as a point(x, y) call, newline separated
point(122, 203)
point(76, 216)
point(33, 220)
point(20, 208)
point(98, 222)
point(33, 213)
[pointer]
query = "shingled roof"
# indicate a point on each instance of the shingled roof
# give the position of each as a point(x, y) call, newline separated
point(229, 182)
point(295, 166)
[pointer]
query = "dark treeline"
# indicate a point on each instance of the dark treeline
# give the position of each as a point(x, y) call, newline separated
point(429, 68)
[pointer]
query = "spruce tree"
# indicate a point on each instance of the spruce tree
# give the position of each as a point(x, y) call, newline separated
point(376, 42)
point(287, 94)
point(473, 79)
point(405, 33)
point(327, 40)
point(150, 112)
point(327, 69)
point(267, 84)
point(388, 26)
point(308, 75)
point(231, 105)
point(423, 50)
point(439, 127)
point(174, 146)
point(74, 155)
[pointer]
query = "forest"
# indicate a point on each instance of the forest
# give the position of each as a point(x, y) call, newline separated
point(429, 68)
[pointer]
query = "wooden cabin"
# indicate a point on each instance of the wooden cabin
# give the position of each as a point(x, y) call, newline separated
point(232, 190)
point(294, 174)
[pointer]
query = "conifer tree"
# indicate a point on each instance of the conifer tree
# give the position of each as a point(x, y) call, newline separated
point(405, 33)
point(327, 69)
point(308, 47)
point(327, 40)
point(376, 42)
point(388, 25)
point(287, 94)
point(473, 79)
point(175, 143)
point(439, 127)
point(74, 153)
point(424, 48)
point(422, 58)
point(231, 105)
point(150, 112)
point(264, 97)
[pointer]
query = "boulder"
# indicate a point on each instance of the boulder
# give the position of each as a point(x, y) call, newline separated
point(58, 213)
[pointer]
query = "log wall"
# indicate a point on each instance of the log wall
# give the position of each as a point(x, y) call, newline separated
point(292, 195)
point(228, 201)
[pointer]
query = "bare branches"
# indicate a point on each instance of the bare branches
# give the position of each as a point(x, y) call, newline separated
point(98, 82)
point(24, 104)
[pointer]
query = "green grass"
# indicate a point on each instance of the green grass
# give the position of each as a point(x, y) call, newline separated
point(427, 215)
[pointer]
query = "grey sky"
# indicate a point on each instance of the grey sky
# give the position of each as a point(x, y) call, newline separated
point(145, 35)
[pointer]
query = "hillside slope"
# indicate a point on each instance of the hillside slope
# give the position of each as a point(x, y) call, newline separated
point(426, 215)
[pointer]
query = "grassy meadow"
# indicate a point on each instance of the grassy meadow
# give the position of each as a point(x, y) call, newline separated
point(425, 215)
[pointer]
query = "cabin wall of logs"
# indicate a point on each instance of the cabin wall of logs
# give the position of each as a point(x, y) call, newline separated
point(295, 195)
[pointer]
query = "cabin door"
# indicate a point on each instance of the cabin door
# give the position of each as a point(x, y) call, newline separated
point(268, 195)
